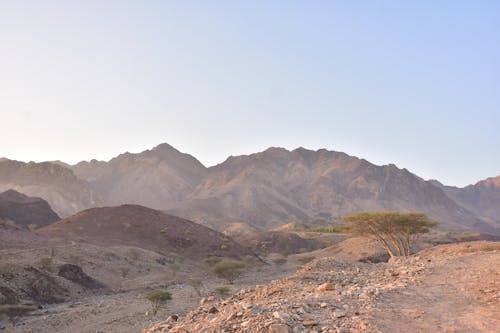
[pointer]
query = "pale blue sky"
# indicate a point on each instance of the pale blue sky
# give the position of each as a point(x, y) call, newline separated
point(415, 83)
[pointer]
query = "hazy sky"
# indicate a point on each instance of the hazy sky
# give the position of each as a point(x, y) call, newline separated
point(415, 83)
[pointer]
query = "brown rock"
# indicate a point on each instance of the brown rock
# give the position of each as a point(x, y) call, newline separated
point(309, 323)
point(278, 328)
point(326, 286)
point(172, 318)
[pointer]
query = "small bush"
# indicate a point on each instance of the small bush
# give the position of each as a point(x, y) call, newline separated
point(213, 260)
point(327, 229)
point(228, 269)
point(222, 290)
point(158, 297)
point(16, 310)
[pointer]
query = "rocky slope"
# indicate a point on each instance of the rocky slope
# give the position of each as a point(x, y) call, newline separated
point(267, 242)
point(25, 211)
point(157, 178)
point(275, 186)
point(66, 193)
point(132, 225)
point(444, 289)
point(482, 198)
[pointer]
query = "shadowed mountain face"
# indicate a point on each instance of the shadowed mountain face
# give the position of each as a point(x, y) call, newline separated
point(66, 193)
point(25, 211)
point(143, 227)
point(278, 185)
point(157, 178)
point(482, 198)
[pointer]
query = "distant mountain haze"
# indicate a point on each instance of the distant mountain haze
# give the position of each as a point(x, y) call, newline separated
point(257, 191)
point(157, 178)
point(58, 185)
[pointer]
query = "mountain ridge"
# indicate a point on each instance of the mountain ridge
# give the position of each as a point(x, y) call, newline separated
point(270, 188)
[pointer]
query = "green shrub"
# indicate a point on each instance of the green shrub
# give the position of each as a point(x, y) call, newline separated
point(228, 269)
point(16, 310)
point(213, 260)
point(158, 297)
point(222, 290)
point(327, 229)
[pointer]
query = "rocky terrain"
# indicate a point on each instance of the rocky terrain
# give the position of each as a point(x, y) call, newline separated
point(156, 178)
point(481, 198)
point(25, 212)
point(448, 288)
point(266, 242)
point(133, 225)
point(275, 186)
point(253, 192)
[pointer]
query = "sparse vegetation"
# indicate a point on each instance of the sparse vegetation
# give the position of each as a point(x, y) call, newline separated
point(158, 298)
point(324, 229)
point(213, 260)
point(396, 232)
point(228, 269)
point(222, 290)
point(16, 310)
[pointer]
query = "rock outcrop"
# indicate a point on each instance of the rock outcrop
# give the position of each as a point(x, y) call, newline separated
point(24, 211)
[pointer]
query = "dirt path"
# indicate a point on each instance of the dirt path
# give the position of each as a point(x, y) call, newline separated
point(461, 295)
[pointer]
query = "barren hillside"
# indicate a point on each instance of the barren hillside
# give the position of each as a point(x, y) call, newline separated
point(482, 198)
point(449, 288)
point(133, 225)
point(276, 186)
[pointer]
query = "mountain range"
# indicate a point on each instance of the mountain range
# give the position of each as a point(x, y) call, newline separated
point(257, 191)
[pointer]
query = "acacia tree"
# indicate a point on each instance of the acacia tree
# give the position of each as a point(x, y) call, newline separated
point(228, 269)
point(395, 231)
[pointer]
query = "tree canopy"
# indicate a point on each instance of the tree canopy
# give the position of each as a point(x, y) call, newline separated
point(228, 269)
point(395, 231)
